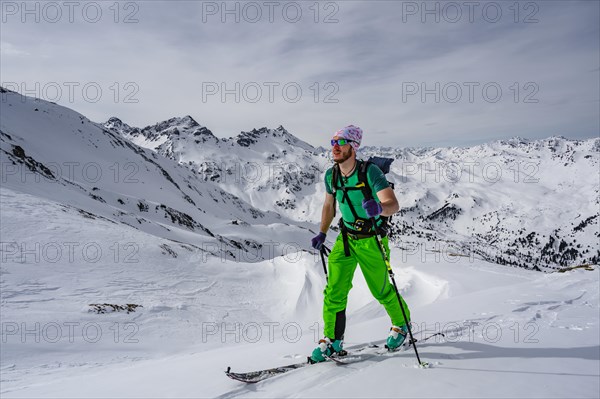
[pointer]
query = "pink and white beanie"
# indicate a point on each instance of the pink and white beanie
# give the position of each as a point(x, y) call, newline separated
point(351, 132)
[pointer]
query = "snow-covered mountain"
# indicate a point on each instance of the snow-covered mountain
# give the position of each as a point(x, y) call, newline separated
point(268, 168)
point(209, 275)
point(57, 154)
point(524, 203)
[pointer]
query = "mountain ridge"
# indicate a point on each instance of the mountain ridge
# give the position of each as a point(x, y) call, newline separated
point(449, 186)
point(519, 202)
point(98, 173)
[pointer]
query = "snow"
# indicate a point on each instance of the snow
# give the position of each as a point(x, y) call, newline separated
point(509, 332)
point(213, 301)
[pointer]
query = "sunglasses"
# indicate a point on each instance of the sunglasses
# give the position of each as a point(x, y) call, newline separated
point(341, 142)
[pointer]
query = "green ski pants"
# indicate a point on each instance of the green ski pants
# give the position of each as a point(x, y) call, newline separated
point(366, 253)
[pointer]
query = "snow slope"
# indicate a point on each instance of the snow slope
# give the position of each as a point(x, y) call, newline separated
point(509, 332)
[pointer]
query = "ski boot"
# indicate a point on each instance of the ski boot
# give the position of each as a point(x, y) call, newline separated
point(325, 349)
point(396, 337)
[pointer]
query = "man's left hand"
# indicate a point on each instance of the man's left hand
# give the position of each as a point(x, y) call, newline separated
point(372, 207)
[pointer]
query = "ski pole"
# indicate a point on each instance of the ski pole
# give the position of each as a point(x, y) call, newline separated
point(386, 260)
point(324, 252)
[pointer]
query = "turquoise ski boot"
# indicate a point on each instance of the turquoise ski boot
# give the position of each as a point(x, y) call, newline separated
point(325, 349)
point(396, 337)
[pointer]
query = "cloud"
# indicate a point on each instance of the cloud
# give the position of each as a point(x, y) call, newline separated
point(353, 65)
point(9, 50)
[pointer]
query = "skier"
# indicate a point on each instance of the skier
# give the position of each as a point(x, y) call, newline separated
point(357, 242)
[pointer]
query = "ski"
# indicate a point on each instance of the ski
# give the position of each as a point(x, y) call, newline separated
point(369, 351)
point(252, 377)
point(358, 354)
point(257, 376)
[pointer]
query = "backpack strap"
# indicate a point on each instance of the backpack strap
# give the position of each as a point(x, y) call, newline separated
point(335, 175)
point(368, 194)
point(345, 198)
point(363, 183)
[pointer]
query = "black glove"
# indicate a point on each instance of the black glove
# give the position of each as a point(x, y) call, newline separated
point(318, 241)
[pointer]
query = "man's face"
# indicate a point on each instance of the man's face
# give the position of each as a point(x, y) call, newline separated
point(341, 153)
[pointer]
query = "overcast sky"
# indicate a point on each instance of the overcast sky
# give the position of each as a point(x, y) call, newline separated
point(408, 73)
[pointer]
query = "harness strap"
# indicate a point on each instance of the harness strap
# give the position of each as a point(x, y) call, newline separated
point(345, 238)
point(362, 226)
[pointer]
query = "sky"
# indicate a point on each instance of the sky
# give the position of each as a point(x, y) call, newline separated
point(408, 73)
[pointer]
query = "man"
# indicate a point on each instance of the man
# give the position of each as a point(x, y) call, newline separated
point(357, 242)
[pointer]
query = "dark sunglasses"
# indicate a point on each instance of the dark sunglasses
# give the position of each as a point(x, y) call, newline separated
point(341, 142)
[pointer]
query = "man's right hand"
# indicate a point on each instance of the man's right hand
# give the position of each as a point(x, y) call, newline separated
point(318, 241)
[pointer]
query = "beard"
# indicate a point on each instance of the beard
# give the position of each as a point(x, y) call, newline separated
point(343, 156)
